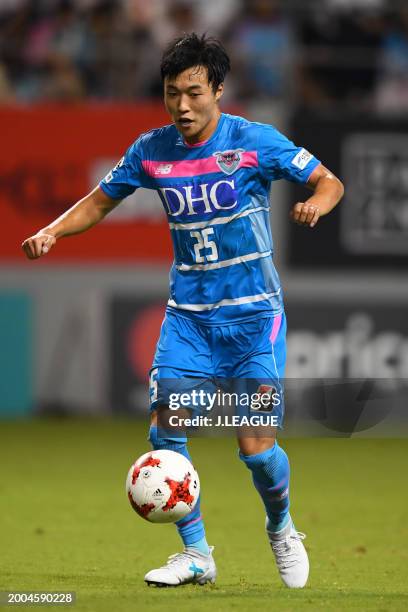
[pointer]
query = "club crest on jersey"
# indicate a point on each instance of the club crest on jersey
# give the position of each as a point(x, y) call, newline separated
point(228, 161)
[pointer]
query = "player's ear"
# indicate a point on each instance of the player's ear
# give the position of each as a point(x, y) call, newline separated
point(219, 92)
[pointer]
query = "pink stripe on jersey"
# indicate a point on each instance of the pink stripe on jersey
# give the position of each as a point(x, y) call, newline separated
point(193, 167)
point(275, 328)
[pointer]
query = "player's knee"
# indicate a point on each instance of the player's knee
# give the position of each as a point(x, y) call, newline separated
point(162, 442)
point(254, 446)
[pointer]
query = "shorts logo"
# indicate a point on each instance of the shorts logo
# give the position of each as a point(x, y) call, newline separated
point(163, 169)
point(301, 159)
point(269, 397)
point(228, 161)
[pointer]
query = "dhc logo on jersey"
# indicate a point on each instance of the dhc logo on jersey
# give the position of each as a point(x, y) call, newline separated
point(187, 200)
point(228, 161)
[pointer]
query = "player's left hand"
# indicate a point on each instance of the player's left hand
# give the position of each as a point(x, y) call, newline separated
point(305, 214)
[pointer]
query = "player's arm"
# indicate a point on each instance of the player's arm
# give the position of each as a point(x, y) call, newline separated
point(328, 191)
point(83, 215)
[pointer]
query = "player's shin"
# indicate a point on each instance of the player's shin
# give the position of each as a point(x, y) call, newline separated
point(270, 473)
point(191, 527)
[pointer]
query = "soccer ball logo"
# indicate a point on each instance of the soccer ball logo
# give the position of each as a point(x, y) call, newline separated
point(162, 486)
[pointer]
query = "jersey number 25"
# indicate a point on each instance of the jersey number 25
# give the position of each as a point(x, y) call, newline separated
point(204, 243)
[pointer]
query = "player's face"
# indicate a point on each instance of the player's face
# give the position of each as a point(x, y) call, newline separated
point(192, 104)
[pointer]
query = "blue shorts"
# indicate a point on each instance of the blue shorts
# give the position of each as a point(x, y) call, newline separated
point(248, 357)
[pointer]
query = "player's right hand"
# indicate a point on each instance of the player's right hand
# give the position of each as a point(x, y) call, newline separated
point(38, 245)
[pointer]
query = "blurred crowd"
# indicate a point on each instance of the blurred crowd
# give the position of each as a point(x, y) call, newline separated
point(319, 55)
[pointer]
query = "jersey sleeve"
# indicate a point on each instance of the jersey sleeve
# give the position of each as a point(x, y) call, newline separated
point(127, 176)
point(280, 158)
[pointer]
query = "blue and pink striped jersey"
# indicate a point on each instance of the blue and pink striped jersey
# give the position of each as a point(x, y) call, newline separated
point(216, 197)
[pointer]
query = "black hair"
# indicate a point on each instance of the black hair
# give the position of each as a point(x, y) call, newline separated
point(192, 50)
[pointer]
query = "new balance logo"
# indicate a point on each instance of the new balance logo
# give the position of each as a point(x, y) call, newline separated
point(163, 169)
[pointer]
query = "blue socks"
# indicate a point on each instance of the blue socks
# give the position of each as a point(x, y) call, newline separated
point(270, 473)
point(201, 546)
point(191, 527)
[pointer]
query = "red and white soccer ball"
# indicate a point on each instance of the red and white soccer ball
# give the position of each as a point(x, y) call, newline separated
point(162, 486)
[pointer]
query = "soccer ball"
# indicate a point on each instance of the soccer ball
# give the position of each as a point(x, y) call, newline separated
point(162, 486)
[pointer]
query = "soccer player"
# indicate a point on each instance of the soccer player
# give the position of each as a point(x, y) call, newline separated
point(225, 317)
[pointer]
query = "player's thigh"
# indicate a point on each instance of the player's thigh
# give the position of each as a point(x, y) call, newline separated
point(266, 352)
point(181, 371)
point(181, 361)
point(264, 359)
point(177, 389)
point(259, 382)
point(183, 347)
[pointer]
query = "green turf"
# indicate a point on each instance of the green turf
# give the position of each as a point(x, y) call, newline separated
point(66, 523)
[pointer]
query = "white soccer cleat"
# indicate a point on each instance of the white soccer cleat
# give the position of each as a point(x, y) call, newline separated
point(184, 568)
point(290, 555)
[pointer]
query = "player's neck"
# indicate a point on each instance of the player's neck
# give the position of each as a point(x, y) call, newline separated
point(206, 132)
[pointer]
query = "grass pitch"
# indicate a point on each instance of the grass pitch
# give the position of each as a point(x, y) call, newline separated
point(66, 524)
